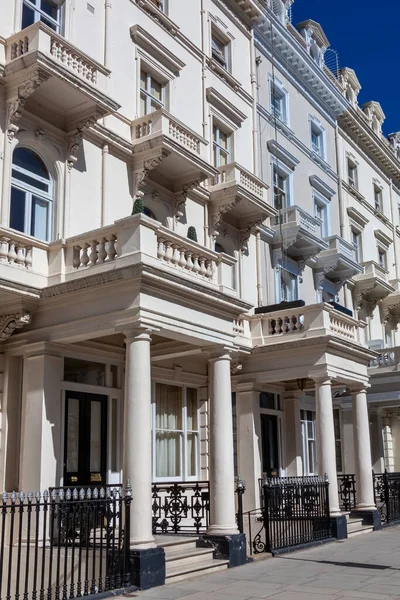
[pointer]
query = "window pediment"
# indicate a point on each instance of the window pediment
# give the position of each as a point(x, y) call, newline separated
point(381, 237)
point(152, 46)
point(282, 154)
point(225, 107)
point(357, 217)
point(320, 186)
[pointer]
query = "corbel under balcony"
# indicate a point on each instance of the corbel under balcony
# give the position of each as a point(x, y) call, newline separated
point(371, 286)
point(337, 263)
point(169, 153)
point(298, 234)
point(390, 305)
point(240, 198)
point(51, 78)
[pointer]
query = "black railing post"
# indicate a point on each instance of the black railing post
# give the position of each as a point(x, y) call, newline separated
point(266, 511)
point(240, 490)
point(127, 534)
point(387, 496)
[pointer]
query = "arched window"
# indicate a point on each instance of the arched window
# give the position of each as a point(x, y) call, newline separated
point(31, 195)
point(149, 213)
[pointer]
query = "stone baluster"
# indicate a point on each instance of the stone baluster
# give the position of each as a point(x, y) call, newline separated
point(182, 259)
point(161, 249)
point(4, 249)
point(12, 255)
point(76, 260)
point(203, 270)
point(189, 261)
point(176, 255)
point(20, 260)
point(111, 248)
point(93, 257)
point(28, 257)
point(196, 266)
point(168, 251)
point(84, 255)
point(102, 253)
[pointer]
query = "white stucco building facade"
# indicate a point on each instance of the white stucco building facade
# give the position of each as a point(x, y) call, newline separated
point(132, 350)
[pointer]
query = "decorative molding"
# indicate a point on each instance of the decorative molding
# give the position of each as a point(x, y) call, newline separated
point(217, 213)
point(357, 217)
point(147, 42)
point(282, 154)
point(75, 139)
point(9, 323)
point(383, 238)
point(148, 165)
point(231, 111)
point(320, 186)
point(17, 105)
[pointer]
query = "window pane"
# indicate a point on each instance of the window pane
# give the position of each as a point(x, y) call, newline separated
point(215, 133)
point(168, 454)
point(17, 212)
point(40, 218)
point(168, 407)
point(143, 109)
point(267, 400)
point(28, 16)
point(155, 105)
point(72, 435)
point(156, 89)
point(49, 8)
point(143, 79)
point(95, 437)
point(40, 185)
point(31, 162)
point(191, 453)
point(223, 158)
point(215, 156)
point(50, 24)
point(191, 410)
point(223, 140)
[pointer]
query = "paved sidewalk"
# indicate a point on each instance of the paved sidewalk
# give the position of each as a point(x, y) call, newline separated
point(367, 566)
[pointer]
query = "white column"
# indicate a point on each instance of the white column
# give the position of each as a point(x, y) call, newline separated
point(326, 451)
point(222, 482)
point(137, 438)
point(294, 451)
point(362, 452)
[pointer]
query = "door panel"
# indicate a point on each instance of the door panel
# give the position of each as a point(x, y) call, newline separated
point(85, 445)
point(269, 440)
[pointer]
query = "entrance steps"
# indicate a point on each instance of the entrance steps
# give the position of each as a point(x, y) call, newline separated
point(355, 526)
point(184, 559)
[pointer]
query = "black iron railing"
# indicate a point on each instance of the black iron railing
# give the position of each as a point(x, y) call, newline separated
point(387, 496)
point(347, 492)
point(295, 512)
point(181, 507)
point(66, 544)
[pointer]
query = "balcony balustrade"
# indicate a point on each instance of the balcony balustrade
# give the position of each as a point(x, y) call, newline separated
point(299, 233)
point(372, 285)
point(338, 262)
point(303, 322)
point(56, 74)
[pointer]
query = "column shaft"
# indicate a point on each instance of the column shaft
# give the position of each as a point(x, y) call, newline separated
point(326, 441)
point(222, 484)
point(137, 439)
point(362, 452)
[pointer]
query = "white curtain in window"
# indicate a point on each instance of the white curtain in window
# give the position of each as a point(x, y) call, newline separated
point(168, 430)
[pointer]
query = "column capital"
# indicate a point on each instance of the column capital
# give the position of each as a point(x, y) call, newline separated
point(136, 330)
point(322, 380)
point(359, 388)
point(219, 352)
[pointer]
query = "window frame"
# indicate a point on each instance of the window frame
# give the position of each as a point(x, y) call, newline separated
point(224, 58)
point(38, 13)
point(146, 92)
point(321, 202)
point(338, 440)
point(183, 445)
point(219, 128)
point(306, 439)
point(378, 198)
point(358, 247)
point(291, 267)
point(352, 181)
point(30, 191)
point(275, 85)
point(287, 176)
point(316, 128)
point(383, 253)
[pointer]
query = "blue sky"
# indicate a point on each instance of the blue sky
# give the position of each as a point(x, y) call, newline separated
point(364, 32)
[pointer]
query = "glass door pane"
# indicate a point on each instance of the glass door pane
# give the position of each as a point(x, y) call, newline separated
point(95, 436)
point(72, 435)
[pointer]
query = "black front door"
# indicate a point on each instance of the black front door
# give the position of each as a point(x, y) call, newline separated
point(269, 441)
point(85, 443)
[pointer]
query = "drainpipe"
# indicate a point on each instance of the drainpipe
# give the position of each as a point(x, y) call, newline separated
point(107, 41)
point(395, 243)
point(340, 200)
point(203, 68)
point(104, 161)
point(258, 265)
point(253, 78)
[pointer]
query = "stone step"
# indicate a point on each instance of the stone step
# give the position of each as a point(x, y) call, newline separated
point(356, 527)
point(179, 544)
point(180, 573)
point(184, 557)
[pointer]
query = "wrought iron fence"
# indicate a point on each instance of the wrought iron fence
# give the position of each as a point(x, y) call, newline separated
point(387, 495)
point(64, 544)
point(295, 512)
point(347, 492)
point(181, 507)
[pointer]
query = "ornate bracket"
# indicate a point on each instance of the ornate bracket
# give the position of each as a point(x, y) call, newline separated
point(217, 214)
point(244, 234)
point(16, 106)
point(181, 197)
point(9, 323)
point(142, 173)
point(75, 139)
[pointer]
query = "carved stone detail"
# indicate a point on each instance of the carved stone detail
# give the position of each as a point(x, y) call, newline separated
point(9, 323)
point(75, 139)
point(17, 105)
point(148, 166)
point(217, 214)
point(245, 233)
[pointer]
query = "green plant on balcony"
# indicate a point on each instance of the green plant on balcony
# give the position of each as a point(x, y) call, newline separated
point(137, 206)
point(192, 234)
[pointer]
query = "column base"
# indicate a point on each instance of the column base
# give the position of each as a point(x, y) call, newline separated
point(339, 527)
point(230, 547)
point(147, 567)
point(369, 517)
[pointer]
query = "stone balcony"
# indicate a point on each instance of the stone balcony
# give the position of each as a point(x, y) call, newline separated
point(53, 79)
point(29, 266)
point(338, 262)
point(298, 233)
point(316, 320)
point(168, 152)
point(238, 195)
point(372, 285)
point(388, 360)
